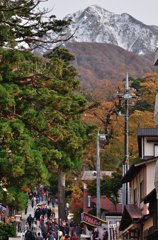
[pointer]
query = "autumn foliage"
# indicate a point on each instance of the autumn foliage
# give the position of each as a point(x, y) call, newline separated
point(98, 62)
point(140, 116)
point(76, 199)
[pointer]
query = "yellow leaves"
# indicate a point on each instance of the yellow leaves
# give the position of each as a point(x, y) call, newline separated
point(150, 88)
point(142, 120)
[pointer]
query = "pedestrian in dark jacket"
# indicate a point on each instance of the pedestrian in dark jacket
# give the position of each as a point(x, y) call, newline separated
point(29, 220)
point(66, 229)
point(39, 237)
point(44, 231)
point(42, 225)
point(32, 202)
point(26, 234)
point(33, 233)
point(49, 213)
point(43, 212)
point(26, 210)
point(105, 234)
point(38, 213)
point(51, 235)
point(79, 231)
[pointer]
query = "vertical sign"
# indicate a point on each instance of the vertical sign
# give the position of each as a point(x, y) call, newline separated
point(113, 232)
point(88, 201)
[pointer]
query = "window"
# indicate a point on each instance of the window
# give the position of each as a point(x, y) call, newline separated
point(141, 190)
point(156, 150)
point(135, 196)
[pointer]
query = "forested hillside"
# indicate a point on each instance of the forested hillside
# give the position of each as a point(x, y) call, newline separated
point(97, 62)
point(140, 115)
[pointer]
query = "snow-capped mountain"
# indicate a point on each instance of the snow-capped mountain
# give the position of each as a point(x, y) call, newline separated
point(95, 24)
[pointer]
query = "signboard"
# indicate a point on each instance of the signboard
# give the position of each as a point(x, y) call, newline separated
point(89, 198)
point(91, 220)
point(113, 231)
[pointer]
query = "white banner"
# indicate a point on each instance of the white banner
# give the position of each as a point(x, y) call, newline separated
point(113, 232)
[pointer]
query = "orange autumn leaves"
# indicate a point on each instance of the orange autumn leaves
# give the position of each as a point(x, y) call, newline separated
point(105, 117)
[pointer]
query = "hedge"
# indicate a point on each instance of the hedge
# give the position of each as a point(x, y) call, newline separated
point(7, 230)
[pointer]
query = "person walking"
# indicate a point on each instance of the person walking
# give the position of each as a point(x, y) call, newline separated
point(32, 202)
point(51, 235)
point(71, 224)
point(105, 234)
point(39, 237)
point(26, 210)
point(95, 233)
point(29, 220)
point(56, 228)
point(53, 201)
point(38, 213)
point(73, 230)
point(48, 199)
point(20, 226)
point(44, 232)
point(66, 229)
point(79, 231)
point(74, 237)
point(49, 212)
point(33, 232)
point(34, 225)
point(43, 211)
point(53, 211)
point(42, 225)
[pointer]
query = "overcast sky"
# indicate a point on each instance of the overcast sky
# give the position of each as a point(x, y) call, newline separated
point(144, 10)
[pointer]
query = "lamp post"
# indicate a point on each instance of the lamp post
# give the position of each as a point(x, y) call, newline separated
point(100, 137)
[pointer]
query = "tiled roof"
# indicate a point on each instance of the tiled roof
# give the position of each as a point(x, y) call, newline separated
point(134, 212)
point(135, 169)
point(90, 175)
point(131, 215)
point(147, 132)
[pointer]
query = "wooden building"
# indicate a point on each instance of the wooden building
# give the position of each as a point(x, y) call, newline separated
point(140, 218)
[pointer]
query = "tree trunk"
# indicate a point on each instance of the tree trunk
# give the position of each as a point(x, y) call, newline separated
point(61, 195)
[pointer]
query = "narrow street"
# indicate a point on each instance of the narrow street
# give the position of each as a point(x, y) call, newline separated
point(30, 210)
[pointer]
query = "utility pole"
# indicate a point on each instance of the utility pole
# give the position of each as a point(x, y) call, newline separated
point(98, 178)
point(126, 97)
point(100, 137)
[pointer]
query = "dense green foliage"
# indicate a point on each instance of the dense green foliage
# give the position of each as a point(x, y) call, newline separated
point(41, 127)
point(109, 186)
point(7, 230)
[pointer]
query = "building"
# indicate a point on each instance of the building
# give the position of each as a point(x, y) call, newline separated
point(90, 203)
point(140, 218)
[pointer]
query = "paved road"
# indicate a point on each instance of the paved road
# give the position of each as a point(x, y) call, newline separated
point(30, 210)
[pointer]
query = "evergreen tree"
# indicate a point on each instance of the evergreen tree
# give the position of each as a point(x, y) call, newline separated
point(41, 127)
point(109, 186)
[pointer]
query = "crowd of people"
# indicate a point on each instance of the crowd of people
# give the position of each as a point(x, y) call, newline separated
point(43, 225)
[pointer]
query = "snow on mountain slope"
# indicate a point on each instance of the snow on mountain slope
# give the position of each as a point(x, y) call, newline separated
point(95, 24)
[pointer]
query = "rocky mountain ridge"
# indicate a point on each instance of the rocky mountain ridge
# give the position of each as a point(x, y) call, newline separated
point(95, 24)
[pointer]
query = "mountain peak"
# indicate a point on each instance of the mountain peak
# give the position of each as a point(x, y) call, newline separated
point(95, 24)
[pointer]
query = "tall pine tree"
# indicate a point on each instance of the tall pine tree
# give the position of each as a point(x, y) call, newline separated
point(41, 127)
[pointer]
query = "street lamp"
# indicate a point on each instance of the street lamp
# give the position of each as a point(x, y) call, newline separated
point(101, 137)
